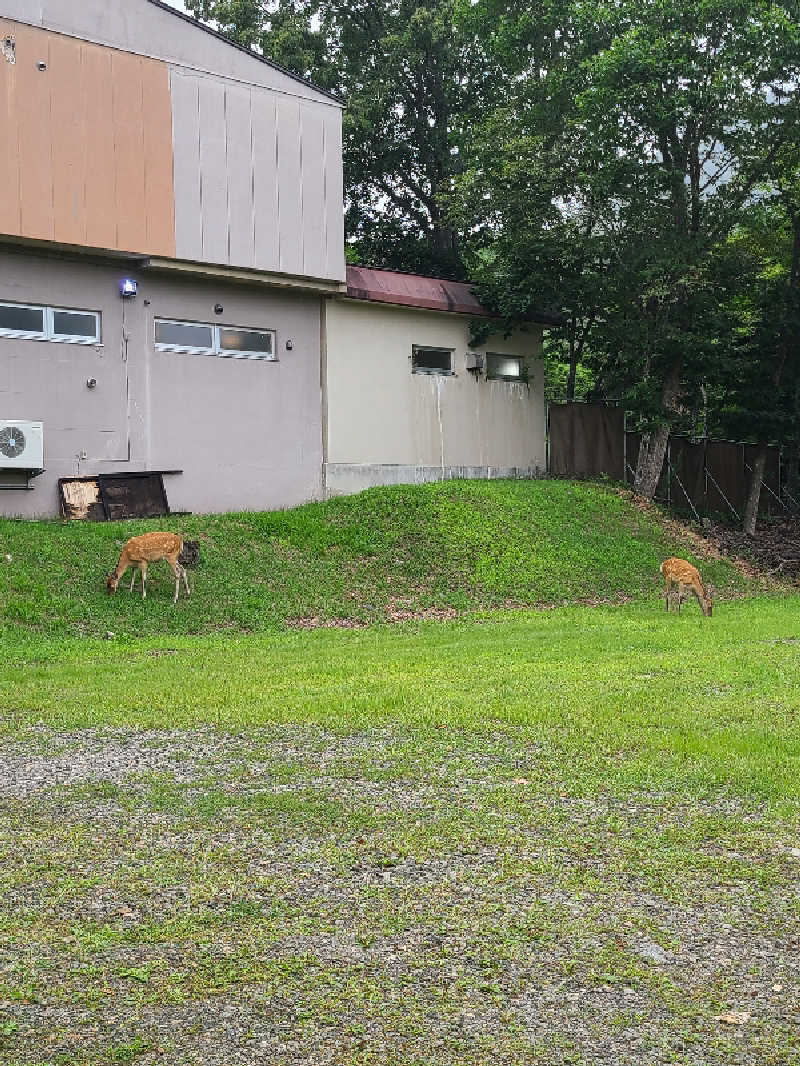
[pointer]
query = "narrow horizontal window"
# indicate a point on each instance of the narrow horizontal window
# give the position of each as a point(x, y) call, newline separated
point(245, 343)
point(49, 324)
point(17, 319)
point(426, 360)
point(184, 337)
point(76, 326)
point(504, 367)
point(201, 338)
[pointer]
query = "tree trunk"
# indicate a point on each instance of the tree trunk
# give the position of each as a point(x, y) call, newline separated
point(754, 490)
point(652, 450)
point(654, 445)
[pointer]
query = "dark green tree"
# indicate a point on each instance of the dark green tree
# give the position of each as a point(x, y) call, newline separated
point(629, 154)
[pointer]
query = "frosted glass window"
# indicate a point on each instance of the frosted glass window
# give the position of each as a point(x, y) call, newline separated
point(184, 336)
point(76, 325)
point(49, 324)
point(229, 342)
point(16, 318)
point(503, 367)
point(425, 360)
point(245, 344)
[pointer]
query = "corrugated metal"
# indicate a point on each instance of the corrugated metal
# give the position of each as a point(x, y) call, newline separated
point(268, 198)
point(412, 290)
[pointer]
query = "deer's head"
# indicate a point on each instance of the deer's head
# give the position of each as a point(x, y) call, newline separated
point(112, 581)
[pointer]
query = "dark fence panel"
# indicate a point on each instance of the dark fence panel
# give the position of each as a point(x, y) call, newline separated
point(587, 440)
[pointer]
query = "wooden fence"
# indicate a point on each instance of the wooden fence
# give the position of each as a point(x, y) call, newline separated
point(699, 476)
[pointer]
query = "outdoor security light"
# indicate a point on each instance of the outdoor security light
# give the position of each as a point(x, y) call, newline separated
point(127, 287)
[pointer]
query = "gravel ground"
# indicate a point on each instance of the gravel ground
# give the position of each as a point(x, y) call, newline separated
point(290, 896)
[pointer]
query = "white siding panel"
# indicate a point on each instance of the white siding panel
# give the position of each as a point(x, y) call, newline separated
point(265, 180)
point(313, 154)
point(240, 177)
point(334, 196)
point(186, 127)
point(213, 170)
point(290, 201)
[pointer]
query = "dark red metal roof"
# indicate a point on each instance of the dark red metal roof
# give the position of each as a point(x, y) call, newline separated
point(413, 290)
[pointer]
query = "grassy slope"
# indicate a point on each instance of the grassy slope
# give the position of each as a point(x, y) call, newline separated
point(460, 545)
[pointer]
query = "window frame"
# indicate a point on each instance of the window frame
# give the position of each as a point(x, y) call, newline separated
point(68, 338)
point(47, 333)
point(519, 378)
point(186, 349)
point(216, 350)
point(246, 353)
point(426, 370)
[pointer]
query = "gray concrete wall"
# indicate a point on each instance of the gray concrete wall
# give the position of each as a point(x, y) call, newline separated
point(247, 435)
point(343, 479)
point(385, 423)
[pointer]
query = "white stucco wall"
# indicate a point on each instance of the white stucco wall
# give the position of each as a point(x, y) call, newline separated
point(380, 414)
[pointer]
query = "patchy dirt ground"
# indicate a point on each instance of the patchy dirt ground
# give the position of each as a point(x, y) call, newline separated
point(293, 896)
point(773, 551)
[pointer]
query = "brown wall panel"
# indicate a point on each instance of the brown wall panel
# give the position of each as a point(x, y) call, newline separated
point(126, 73)
point(68, 141)
point(101, 220)
point(9, 159)
point(34, 127)
point(90, 138)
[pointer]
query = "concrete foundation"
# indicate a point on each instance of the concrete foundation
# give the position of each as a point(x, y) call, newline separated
point(344, 479)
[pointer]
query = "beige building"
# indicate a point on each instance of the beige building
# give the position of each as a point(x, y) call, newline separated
point(409, 399)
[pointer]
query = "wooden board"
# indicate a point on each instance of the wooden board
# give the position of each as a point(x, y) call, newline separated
point(112, 497)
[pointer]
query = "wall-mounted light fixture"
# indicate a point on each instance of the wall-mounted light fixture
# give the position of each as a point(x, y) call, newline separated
point(91, 383)
point(218, 309)
point(127, 288)
point(289, 345)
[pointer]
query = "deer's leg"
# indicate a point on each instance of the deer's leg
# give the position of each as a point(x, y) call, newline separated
point(185, 579)
point(680, 597)
point(133, 579)
point(175, 567)
point(666, 597)
point(143, 572)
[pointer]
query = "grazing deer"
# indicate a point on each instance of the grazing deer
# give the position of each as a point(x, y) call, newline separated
point(149, 548)
point(686, 577)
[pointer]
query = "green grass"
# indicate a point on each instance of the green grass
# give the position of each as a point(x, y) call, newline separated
point(460, 545)
point(641, 696)
point(435, 844)
point(568, 783)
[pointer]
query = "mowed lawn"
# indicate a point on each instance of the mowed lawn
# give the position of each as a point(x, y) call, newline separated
point(567, 836)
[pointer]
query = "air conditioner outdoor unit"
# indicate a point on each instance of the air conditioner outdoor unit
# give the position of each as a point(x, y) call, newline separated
point(476, 361)
point(21, 445)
